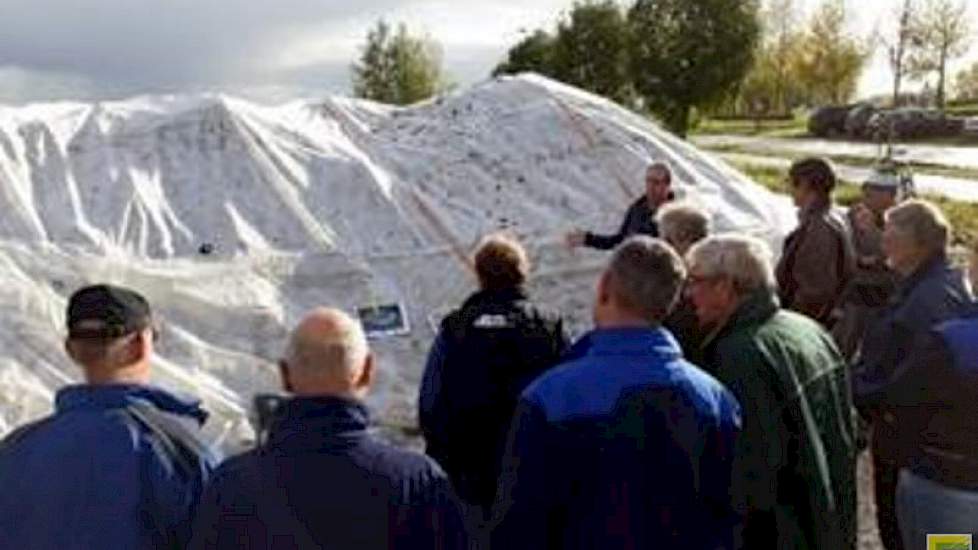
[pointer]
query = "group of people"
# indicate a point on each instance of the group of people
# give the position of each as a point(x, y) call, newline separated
point(713, 405)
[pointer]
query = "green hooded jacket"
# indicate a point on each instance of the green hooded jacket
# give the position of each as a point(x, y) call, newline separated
point(796, 458)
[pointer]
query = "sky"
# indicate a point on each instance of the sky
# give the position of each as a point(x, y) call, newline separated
point(266, 50)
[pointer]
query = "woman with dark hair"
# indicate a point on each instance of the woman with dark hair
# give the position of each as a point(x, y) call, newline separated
point(818, 258)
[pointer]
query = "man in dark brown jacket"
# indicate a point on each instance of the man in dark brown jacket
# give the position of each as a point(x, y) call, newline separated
point(818, 258)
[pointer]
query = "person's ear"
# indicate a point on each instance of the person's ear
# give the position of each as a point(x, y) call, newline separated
point(139, 347)
point(283, 371)
point(366, 378)
point(70, 350)
point(604, 288)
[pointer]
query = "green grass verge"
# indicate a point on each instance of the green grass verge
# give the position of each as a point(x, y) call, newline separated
point(962, 215)
point(796, 127)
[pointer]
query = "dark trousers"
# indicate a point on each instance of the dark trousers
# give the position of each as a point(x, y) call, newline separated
point(887, 461)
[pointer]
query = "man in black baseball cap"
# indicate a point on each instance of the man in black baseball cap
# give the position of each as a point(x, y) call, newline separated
point(120, 460)
point(105, 312)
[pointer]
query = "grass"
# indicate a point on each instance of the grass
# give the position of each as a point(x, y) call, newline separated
point(963, 216)
point(796, 127)
point(963, 109)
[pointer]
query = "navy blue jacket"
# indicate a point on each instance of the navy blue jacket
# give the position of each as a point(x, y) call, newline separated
point(935, 293)
point(625, 445)
point(639, 220)
point(934, 393)
point(94, 476)
point(323, 481)
point(486, 353)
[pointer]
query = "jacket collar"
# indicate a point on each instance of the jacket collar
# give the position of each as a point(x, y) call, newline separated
point(758, 307)
point(117, 396)
point(496, 296)
point(929, 269)
point(625, 341)
point(814, 210)
point(318, 422)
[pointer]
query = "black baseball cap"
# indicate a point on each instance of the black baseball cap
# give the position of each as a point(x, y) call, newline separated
point(106, 311)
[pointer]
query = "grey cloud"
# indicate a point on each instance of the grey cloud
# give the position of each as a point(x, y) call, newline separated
point(129, 44)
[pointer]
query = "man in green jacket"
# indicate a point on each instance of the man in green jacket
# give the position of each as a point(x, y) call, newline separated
point(795, 463)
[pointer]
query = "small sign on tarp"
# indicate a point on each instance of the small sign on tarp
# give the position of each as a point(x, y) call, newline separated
point(383, 320)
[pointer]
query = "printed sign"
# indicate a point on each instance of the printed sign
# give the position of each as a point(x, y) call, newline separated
point(383, 320)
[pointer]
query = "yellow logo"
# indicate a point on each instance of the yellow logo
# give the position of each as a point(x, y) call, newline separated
point(949, 542)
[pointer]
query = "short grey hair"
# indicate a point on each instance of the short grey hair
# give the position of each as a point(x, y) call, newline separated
point(745, 261)
point(683, 222)
point(342, 350)
point(645, 276)
point(922, 222)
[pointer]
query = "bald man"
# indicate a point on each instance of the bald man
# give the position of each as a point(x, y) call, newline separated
point(323, 480)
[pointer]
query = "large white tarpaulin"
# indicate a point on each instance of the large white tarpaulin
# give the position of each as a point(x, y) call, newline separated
point(234, 219)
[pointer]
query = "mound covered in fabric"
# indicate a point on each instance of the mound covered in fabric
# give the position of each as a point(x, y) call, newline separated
point(234, 218)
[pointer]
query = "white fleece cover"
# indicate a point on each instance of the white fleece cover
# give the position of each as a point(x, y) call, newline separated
point(335, 202)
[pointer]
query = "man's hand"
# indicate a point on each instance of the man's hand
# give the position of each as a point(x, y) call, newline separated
point(575, 238)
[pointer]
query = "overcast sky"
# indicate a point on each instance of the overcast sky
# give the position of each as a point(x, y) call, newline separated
point(269, 50)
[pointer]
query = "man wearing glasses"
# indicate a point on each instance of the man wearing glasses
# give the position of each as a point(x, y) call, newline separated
point(640, 217)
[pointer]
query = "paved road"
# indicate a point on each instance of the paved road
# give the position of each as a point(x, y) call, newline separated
point(957, 157)
point(952, 188)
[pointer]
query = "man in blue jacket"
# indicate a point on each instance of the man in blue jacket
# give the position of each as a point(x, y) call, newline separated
point(120, 463)
point(625, 444)
point(322, 480)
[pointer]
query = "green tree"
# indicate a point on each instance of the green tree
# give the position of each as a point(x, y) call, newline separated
point(966, 84)
point(590, 50)
point(943, 30)
point(687, 54)
point(532, 54)
point(831, 59)
point(771, 86)
point(397, 68)
point(780, 49)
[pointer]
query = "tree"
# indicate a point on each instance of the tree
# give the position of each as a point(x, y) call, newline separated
point(899, 43)
point(532, 54)
point(397, 68)
point(943, 30)
point(966, 84)
point(831, 59)
point(689, 53)
point(590, 50)
point(780, 48)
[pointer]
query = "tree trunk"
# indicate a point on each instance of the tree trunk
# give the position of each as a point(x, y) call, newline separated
point(678, 120)
point(941, 76)
point(897, 76)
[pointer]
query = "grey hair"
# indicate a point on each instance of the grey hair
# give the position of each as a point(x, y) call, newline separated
point(746, 261)
point(683, 223)
point(922, 222)
point(645, 277)
point(342, 350)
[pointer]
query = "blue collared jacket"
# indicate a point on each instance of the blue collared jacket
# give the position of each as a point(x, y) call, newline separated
point(93, 475)
point(624, 445)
